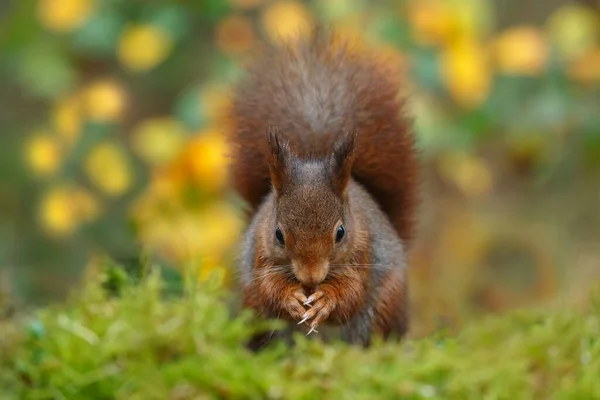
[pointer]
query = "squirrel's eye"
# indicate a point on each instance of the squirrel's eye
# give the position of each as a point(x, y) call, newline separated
point(340, 234)
point(279, 236)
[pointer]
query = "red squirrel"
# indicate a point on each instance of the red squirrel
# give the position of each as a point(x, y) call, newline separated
point(324, 156)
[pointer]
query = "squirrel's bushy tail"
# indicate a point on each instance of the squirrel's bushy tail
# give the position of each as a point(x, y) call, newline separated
point(314, 91)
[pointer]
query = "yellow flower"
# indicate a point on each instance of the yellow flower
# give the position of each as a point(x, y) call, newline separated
point(64, 15)
point(221, 226)
point(206, 158)
point(211, 267)
point(432, 22)
point(161, 194)
point(56, 215)
point(185, 236)
point(521, 50)
point(235, 35)
point(108, 168)
point(142, 47)
point(104, 101)
point(574, 29)
point(66, 118)
point(63, 208)
point(443, 22)
point(158, 140)
point(43, 154)
point(284, 20)
point(466, 72)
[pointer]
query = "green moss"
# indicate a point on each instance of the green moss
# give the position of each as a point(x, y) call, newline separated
point(141, 345)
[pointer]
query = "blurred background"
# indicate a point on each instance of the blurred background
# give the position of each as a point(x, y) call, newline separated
point(110, 143)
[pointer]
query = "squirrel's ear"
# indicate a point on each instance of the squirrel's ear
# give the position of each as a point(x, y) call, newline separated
point(343, 157)
point(278, 158)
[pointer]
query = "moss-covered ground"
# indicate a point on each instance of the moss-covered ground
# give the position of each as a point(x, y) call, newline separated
point(141, 344)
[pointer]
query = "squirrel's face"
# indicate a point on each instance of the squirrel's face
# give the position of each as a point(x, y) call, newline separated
point(311, 227)
point(311, 230)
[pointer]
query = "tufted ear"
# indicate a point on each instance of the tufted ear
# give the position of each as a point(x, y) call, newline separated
point(342, 160)
point(279, 159)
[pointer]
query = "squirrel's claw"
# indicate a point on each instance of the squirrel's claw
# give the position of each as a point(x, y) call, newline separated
point(312, 329)
point(292, 303)
point(314, 297)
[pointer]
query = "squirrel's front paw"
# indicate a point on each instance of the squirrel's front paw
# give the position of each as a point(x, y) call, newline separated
point(319, 311)
point(293, 303)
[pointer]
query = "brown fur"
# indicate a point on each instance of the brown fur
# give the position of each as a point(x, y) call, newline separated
point(320, 142)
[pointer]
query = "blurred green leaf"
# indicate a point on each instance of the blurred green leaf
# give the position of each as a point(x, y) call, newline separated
point(18, 27)
point(172, 18)
point(188, 109)
point(100, 34)
point(45, 71)
point(426, 69)
point(387, 28)
point(550, 109)
point(213, 9)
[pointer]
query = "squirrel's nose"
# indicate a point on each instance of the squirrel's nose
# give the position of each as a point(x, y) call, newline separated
point(311, 276)
point(313, 280)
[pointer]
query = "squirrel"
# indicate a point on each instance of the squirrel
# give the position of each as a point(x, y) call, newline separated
point(324, 157)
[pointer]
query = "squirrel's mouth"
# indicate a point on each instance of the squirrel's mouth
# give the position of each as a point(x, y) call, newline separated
point(309, 290)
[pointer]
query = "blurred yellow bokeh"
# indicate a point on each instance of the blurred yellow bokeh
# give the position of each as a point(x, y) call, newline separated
point(521, 51)
point(56, 215)
point(432, 22)
point(64, 15)
point(190, 235)
point(211, 267)
point(66, 118)
point(108, 168)
point(104, 101)
point(466, 71)
point(143, 47)
point(443, 22)
point(206, 157)
point(574, 29)
point(64, 207)
point(285, 20)
point(43, 154)
point(158, 140)
point(222, 226)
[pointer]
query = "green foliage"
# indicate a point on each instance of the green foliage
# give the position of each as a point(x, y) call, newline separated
point(141, 345)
